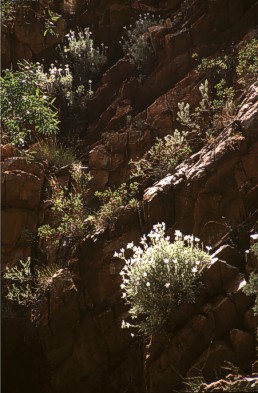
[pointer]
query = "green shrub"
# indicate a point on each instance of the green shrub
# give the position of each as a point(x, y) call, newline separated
point(136, 41)
point(163, 157)
point(69, 218)
point(224, 95)
point(160, 276)
point(22, 287)
point(55, 153)
point(48, 17)
point(113, 202)
point(25, 285)
point(211, 115)
point(247, 63)
point(251, 287)
point(192, 384)
point(7, 9)
point(27, 112)
point(215, 66)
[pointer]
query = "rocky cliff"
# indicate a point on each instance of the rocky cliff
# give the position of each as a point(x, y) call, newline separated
point(77, 344)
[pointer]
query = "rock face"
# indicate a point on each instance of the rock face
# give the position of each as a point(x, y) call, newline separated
point(78, 344)
point(22, 184)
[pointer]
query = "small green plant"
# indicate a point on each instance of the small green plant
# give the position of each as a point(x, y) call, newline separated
point(163, 157)
point(22, 287)
point(192, 384)
point(251, 287)
point(211, 114)
point(247, 63)
point(159, 276)
point(8, 8)
point(55, 153)
point(25, 285)
point(113, 202)
point(50, 19)
point(80, 178)
point(136, 40)
point(27, 112)
point(69, 217)
point(223, 95)
point(217, 65)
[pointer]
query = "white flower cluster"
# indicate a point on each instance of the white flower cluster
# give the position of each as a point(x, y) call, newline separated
point(60, 81)
point(160, 275)
point(56, 80)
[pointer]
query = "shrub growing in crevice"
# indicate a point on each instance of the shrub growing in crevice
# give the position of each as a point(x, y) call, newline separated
point(162, 158)
point(247, 63)
point(82, 62)
point(136, 40)
point(26, 285)
point(112, 201)
point(210, 115)
point(70, 215)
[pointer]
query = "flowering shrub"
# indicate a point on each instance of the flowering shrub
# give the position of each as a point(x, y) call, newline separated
point(60, 81)
point(160, 276)
point(26, 111)
point(136, 43)
point(73, 80)
point(85, 60)
point(163, 157)
point(57, 81)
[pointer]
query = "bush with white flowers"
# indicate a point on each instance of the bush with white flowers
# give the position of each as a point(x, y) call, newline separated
point(60, 81)
point(73, 80)
point(136, 39)
point(85, 60)
point(159, 276)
